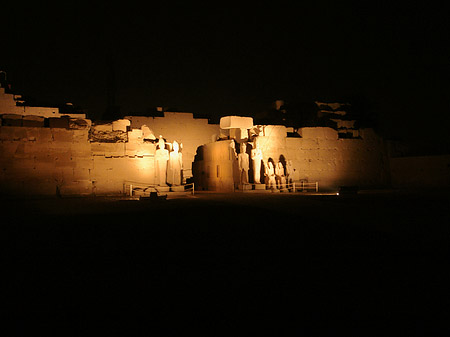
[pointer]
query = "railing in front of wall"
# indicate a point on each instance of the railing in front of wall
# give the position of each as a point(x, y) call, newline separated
point(129, 187)
point(305, 186)
point(299, 186)
point(190, 189)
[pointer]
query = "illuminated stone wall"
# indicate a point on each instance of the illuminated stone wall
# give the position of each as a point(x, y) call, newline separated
point(74, 160)
point(182, 127)
point(38, 160)
point(40, 154)
point(47, 161)
point(317, 155)
point(71, 159)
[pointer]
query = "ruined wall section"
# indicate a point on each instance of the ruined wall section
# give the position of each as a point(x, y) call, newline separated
point(72, 157)
point(183, 128)
point(8, 103)
point(44, 161)
point(319, 155)
point(14, 105)
point(62, 161)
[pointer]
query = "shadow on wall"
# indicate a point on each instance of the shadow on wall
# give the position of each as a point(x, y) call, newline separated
point(282, 160)
point(249, 149)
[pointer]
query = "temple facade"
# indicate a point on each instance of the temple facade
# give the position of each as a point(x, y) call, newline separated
point(45, 153)
point(314, 154)
point(78, 157)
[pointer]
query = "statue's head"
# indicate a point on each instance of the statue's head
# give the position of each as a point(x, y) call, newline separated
point(175, 146)
point(243, 148)
point(161, 143)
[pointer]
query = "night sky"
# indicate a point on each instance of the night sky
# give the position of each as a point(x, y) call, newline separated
point(236, 60)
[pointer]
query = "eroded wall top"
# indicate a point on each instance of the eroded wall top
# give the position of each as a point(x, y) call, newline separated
point(11, 104)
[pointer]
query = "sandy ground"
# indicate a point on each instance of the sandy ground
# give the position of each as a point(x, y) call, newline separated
point(230, 264)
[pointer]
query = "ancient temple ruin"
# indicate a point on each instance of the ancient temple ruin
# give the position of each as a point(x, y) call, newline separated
point(71, 155)
point(313, 154)
point(44, 152)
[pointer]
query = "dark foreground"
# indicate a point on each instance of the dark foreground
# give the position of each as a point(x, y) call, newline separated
point(233, 264)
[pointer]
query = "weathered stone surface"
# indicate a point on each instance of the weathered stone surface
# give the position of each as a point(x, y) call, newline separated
point(61, 123)
point(147, 133)
point(135, 135)
point(236, 122)
point(275, 131)
point(318, 133)
point(33, 121)
point(107, 127)
point(80, 123)
point(121, 125)
point(11, 120)
point(104, 133)
point(62, 135)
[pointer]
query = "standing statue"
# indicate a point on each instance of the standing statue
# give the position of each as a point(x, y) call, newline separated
point(243, 163)
point(279, 172)
point(161, 158)
point(175, 165)
point(256, 159)
point(233, 149)
point(270, 173)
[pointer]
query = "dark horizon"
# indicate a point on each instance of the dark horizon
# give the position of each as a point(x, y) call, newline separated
point(390, 59)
